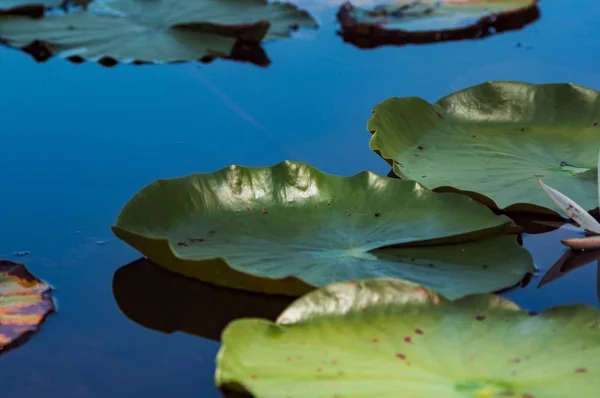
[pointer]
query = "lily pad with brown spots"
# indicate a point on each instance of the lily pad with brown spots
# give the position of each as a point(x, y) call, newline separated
point(495, 141)
point(388, 338)
point(289, 228)
point(25, 302)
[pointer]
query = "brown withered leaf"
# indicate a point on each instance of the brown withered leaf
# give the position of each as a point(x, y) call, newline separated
point(25, 301)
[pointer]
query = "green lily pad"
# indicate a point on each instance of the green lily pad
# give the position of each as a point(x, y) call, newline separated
point(431, 21)
point(25, 302)
point(289, 228)
point(376, 338)
point(495, 141)
point(157, 31)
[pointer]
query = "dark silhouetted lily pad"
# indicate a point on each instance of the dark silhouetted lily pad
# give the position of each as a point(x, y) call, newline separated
point(389, 338)
point(33, 8)
point(289, 228)
point(25, 302)
point(495, 141)
point(167, 302)
point(430, 21)
point(154, 31)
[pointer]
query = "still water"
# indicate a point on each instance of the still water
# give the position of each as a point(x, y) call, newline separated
point(77, 141)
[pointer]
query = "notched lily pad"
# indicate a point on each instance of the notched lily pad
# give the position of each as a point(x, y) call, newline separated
point(494, 141)
point(25, 302)
point(158, 299)
point(429, 21)
point(378, 337)
point(155, 31)
point(289, 228)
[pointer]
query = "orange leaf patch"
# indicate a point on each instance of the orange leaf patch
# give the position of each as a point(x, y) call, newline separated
point(25, 301)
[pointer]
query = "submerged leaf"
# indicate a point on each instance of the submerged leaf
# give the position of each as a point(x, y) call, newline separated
point(289, 228)
point(495, 141)
point(156, 31)
point(376, 338)
point(24, 304)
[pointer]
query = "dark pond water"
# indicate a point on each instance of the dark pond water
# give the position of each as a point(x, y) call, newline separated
point(76, 141)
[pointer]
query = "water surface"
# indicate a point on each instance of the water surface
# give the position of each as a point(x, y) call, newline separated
point(77, 141)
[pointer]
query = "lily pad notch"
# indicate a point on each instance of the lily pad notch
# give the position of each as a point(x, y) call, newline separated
point(372, 28)
point(25, 303)
point(495, 141)
point(290, 228)
point(142, 32)
point(380, 336)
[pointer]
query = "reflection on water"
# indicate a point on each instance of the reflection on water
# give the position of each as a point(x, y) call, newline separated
point(570, 261)
point(163, 301)
point(77, 141)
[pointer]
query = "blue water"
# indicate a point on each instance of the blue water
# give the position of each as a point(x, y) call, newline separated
point(77, 141)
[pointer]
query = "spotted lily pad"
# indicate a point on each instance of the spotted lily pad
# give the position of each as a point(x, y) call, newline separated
point(289, 228)
point(495, 141)
point(378, 337)
point(24, 304)
point(156, 31)
point(429, 21)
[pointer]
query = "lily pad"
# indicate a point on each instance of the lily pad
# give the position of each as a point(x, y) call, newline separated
point(429, 21)
point(289, 228)
point(161, 300)
point(494, 141)
point(378, 337)
point(157, 31)
point(23, 7)
point(24, 304)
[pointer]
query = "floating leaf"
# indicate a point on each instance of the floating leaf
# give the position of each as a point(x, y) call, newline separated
point(23, 7)
point(289, 228)
point(495, 141)
point(572, 209)
point(24, 304)
point(429, 21)
point(376, 338)
point(160, 300)
point(156, 31)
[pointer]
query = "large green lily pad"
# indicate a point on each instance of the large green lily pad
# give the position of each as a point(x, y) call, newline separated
point(388, 338)
point(289, 228)
point(157, 31)
point(430, 21)
point(25, 302)
point(495, 141)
